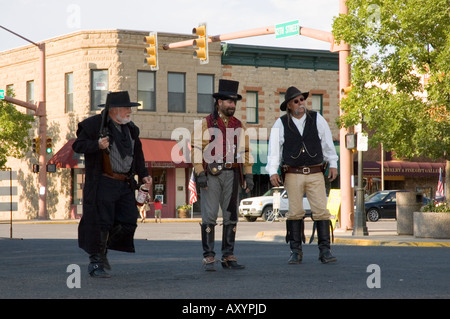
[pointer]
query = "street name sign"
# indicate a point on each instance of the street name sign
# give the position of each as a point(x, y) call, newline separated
point(287, 29)
point(2, 94)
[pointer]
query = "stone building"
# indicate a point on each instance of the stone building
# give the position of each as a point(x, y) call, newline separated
point(81, 67)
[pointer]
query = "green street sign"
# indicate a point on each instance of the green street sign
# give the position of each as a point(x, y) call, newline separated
point(2, 94)
point(287, 29)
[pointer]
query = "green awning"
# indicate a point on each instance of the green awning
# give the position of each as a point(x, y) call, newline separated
point(259, 152)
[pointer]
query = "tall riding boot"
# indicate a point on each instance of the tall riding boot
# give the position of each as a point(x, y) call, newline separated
point(98, 260)
point(104, 249)
point(294, 236)
point(96, 268)
point(207, 231)
point(323, 237)
point(229, 261)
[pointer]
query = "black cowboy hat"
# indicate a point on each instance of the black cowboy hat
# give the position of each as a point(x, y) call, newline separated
point(228, 90)
point(118, 99)
point(291, 93)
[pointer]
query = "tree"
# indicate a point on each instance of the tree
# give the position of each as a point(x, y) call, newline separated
point(14, 135)
point(395, 45)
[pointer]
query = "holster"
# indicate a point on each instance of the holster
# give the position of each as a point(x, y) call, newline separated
point(214, 168)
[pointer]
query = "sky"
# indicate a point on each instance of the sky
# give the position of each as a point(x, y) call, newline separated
point(39, 20)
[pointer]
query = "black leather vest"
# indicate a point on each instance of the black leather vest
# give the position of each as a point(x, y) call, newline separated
point(301, 150)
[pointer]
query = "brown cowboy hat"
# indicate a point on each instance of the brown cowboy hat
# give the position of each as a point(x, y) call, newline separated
point(291, 93)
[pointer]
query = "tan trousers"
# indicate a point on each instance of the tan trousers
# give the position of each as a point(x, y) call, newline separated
point(313, 185)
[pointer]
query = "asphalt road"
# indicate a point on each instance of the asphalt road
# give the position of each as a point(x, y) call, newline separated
point(167, 265)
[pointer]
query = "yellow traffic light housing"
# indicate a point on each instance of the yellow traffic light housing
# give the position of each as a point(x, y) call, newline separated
point(36, 145)
point(152, 51)
point(48, 145)
point(345, 91)
point(201, 43)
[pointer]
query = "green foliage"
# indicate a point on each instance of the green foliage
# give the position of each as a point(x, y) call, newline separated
point(437, 207)
point(184, 206)
point(14, 135)
point(394, 43)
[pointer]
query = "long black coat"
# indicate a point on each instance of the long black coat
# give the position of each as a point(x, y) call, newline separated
point(87, 143)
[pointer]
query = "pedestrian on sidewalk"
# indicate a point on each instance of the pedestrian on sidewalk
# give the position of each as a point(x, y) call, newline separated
point(300, 143)
point(113, 156)
point(222, 162)
point(158, 208)
point(145, 207)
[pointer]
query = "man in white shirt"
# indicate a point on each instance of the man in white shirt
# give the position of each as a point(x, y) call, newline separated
point(300, 142)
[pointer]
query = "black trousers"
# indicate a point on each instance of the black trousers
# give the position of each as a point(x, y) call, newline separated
point(116, 204)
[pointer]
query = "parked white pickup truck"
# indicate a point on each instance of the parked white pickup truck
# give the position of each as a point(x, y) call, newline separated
point(253, 207)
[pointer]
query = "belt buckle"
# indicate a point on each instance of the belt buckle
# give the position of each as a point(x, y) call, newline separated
point(228, 165)
point(306, 170)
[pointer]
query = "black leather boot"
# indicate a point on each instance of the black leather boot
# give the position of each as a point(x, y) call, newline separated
point(229, 261)
point(96, 268)
point(294, 236)
point(208, 247)
point(104, 250)
point(323, 238)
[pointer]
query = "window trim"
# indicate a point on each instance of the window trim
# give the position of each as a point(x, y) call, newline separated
point(184, 93)
point(256, 107)
point(212, 76)
point(66, 109)
point(139, 109)
point(92, 106)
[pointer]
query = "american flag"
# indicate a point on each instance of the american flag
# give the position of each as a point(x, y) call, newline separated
point(440, 186)
point(192, 189)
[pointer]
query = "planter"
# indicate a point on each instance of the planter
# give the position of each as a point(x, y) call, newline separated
point(182, 213)
point(432, 225)
point(407, 204)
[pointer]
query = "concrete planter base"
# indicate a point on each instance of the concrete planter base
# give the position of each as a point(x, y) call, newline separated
point(431, 225)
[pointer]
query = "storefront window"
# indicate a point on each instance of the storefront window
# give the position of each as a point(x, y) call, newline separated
point(160, 184)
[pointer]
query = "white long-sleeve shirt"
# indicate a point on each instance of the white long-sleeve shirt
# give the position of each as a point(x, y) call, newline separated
point(276, 141)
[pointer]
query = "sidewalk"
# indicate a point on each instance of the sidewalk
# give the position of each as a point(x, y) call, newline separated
point(381, 233)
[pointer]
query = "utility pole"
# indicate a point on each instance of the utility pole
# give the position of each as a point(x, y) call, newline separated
point(41, 112)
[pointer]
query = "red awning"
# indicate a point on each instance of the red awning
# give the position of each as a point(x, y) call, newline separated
point(65, 157)
point(157, 153)
point(402, 168)
point(163, 153)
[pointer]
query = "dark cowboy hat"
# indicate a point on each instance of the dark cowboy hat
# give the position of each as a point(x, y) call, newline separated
point(228, 90)
point(291, 93)
point(118, 99)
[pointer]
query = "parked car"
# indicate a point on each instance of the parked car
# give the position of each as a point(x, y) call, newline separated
point(253, 207)
point(383, 204)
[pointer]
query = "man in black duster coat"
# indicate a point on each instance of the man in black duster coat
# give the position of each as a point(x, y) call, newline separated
point(109, 208)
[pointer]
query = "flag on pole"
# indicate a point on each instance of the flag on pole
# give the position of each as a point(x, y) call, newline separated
point(192, 189)
point(440, 185)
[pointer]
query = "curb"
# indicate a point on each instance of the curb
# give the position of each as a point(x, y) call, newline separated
point(274, 236)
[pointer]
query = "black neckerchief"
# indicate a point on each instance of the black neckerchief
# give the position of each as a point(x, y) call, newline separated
point(121, 139)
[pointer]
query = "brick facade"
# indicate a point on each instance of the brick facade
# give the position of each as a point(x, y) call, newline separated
point(121, 53)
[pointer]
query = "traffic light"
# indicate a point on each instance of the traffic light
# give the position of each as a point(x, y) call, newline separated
point(201, 43)
point(48, 145)
point(35, 168)
point(36, 145)
point(345, 91)
point(152, 50)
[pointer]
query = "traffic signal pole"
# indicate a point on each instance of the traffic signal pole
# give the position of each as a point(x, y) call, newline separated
point(41, 112)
